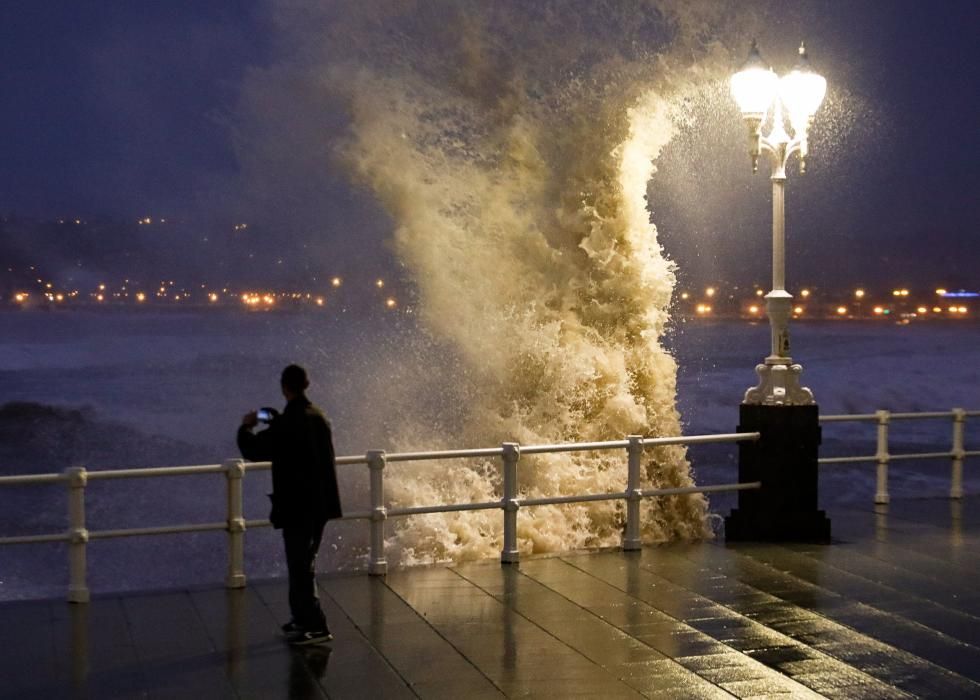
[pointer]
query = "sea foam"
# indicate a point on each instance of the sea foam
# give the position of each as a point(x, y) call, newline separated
point(512, 148)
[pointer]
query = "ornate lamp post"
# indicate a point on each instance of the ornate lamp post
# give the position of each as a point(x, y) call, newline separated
point(784, 459)
point(797, 96)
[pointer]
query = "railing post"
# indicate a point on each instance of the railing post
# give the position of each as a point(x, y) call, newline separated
point(882, 457)
point(76, 478)
point(377, 460)
point(511, 453)
point(234, 473)
point(958, 452)
point(631, 538)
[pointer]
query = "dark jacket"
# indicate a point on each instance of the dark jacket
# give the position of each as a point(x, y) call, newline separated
point(304, 474)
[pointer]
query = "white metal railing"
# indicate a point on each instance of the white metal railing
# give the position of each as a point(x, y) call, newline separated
point(76, 479)
point(882, 457)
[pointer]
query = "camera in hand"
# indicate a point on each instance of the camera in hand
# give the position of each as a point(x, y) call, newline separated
point(266, 415)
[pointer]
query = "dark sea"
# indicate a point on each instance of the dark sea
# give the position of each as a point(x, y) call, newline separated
point(115, 388)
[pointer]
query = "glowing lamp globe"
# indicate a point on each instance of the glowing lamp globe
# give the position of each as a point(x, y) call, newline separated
point(755, 86)
point(802, 91)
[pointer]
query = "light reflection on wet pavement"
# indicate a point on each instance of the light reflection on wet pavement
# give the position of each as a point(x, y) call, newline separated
point(888, 610)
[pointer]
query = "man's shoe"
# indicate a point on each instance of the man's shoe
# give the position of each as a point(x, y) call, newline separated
point(291, 627)
point(302, 638)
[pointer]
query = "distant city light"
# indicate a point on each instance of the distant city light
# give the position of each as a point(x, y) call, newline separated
point(747, 303)
point(241, 227)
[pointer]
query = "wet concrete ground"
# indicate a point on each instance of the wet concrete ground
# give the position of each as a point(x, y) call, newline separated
point(890, 610)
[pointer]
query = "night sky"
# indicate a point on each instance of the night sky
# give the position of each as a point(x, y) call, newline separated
point(124, 109)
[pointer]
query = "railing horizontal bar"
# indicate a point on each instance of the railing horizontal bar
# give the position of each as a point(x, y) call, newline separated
point(350, 459)
point(559, 500)
point(845, 460)
point(33, 539)
point(849, 418)
point(971, 413)
point(163, 530)
point(452, 508)
point(155, 471)
point(265, 522)
point(646, 442)
point(443, 454)
point(575, 447)
point(700, 439)
point(922, 455)
point(28, 479)
point(924, 415)
point(341, 462)
point(972, 453)
point(718, 488)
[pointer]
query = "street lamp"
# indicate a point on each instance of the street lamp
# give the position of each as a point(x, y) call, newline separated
point(794, 98)
point(784, 460)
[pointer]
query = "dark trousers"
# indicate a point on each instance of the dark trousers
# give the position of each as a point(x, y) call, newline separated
point(302, 543)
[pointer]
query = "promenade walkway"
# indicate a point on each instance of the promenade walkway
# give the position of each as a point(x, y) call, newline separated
point(890, 610)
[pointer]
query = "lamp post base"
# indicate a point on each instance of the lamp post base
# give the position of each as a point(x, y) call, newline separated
point(779, 385)
point(784, 459)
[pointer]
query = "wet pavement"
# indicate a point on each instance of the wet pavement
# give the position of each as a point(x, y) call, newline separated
point(889, 610)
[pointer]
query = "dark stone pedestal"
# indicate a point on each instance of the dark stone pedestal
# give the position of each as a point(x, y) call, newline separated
point(784, 459)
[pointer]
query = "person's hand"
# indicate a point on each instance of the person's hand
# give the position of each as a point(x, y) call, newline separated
point(250, 419)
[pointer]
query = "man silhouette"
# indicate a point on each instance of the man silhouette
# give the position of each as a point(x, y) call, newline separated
point(304, 495)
